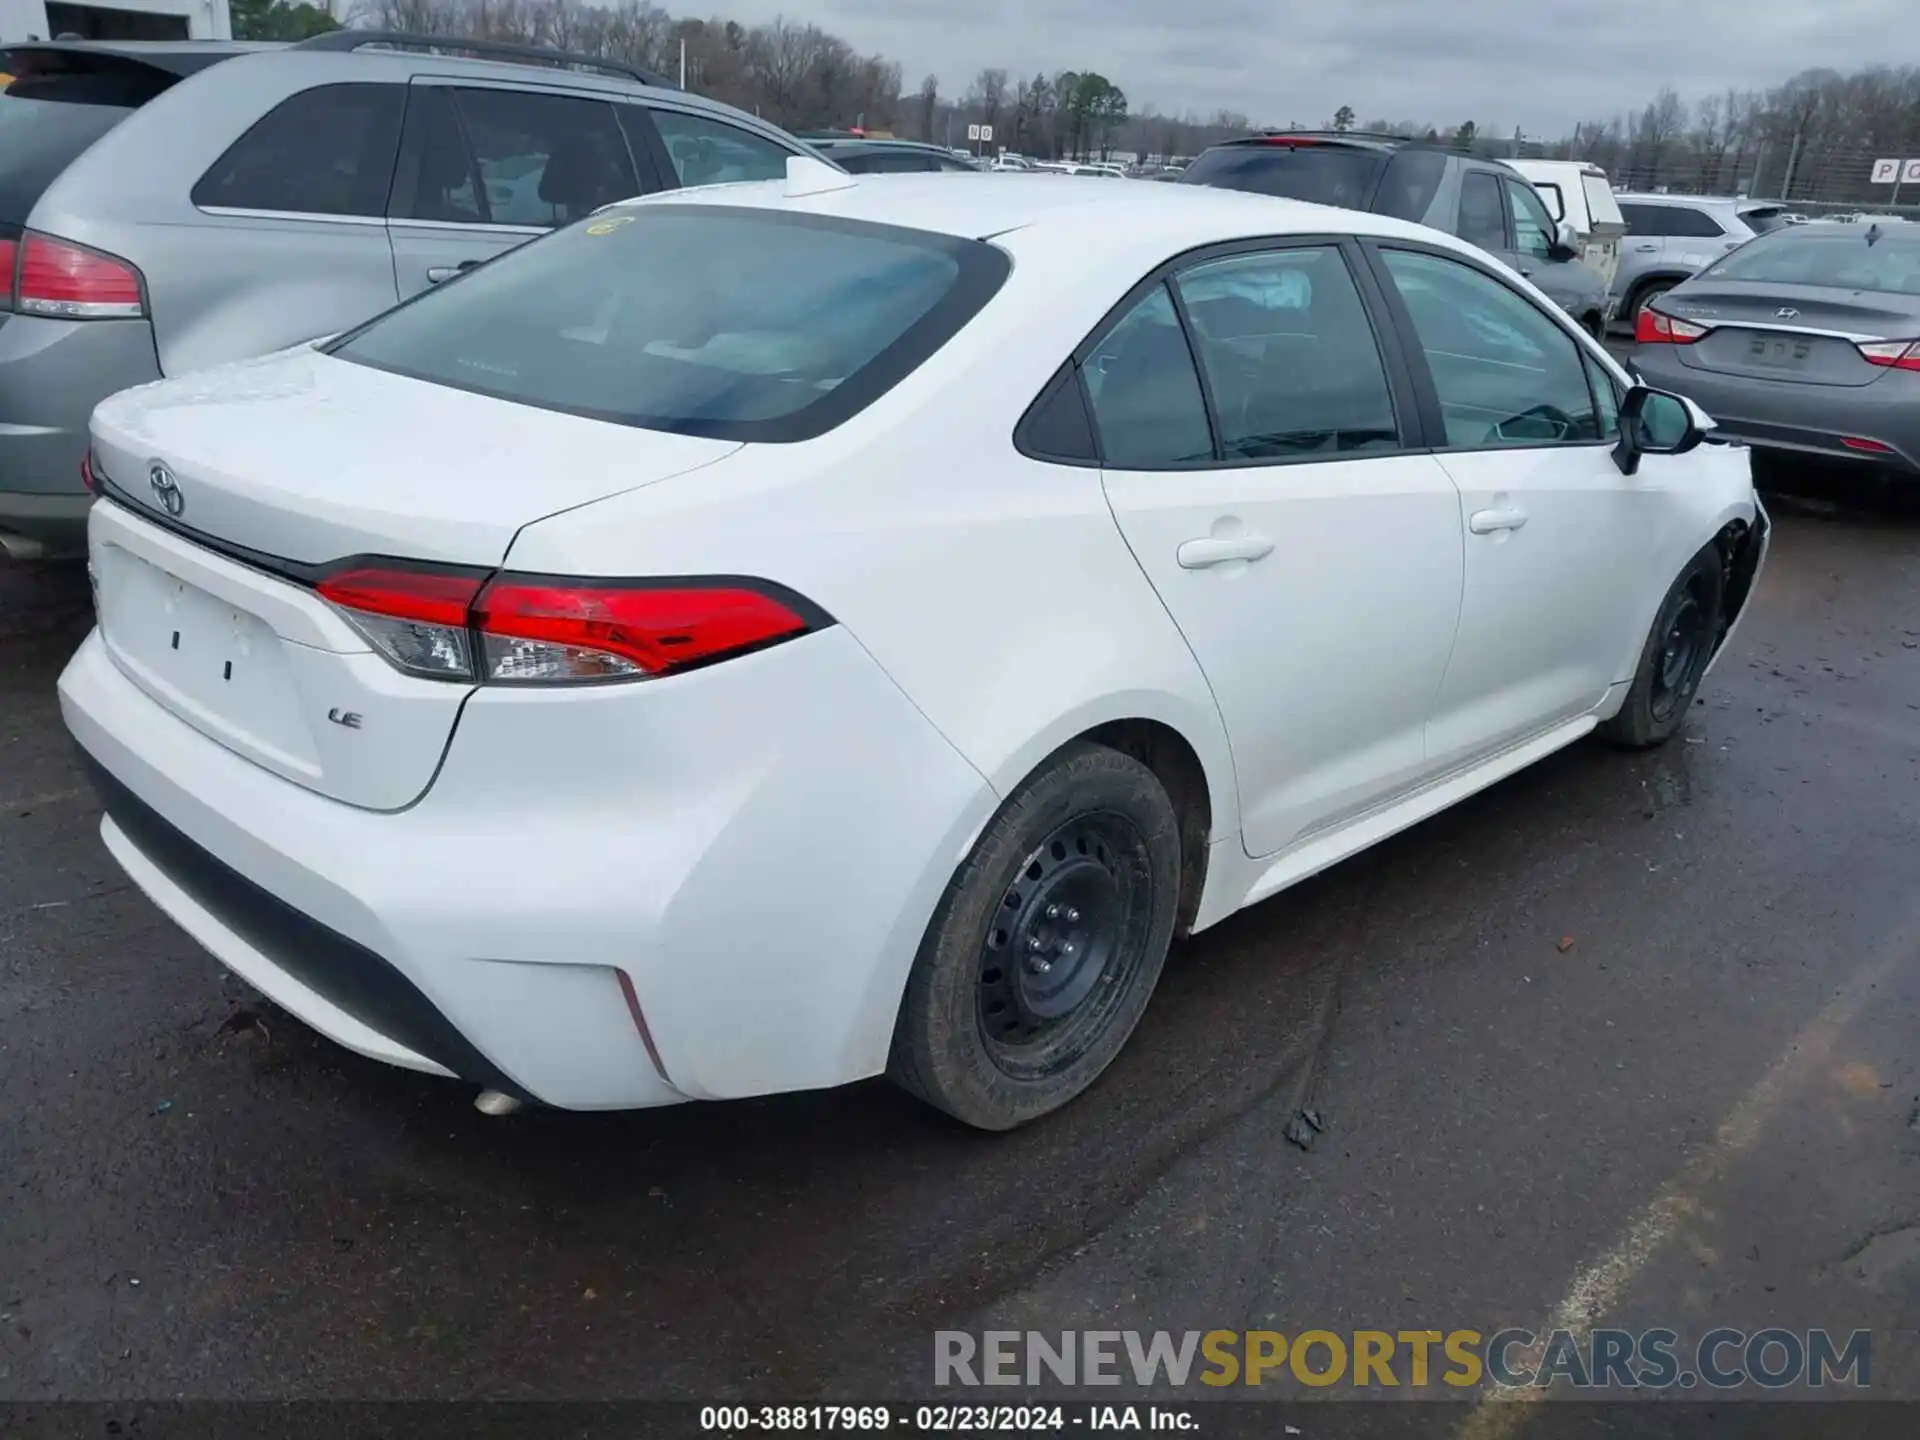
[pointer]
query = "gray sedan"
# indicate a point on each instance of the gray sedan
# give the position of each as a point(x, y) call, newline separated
point(1806, 339)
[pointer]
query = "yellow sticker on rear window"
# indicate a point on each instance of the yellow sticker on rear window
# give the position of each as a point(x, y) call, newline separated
point(608, 225)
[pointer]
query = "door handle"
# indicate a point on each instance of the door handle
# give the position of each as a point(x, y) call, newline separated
point(436, 274)
point(1485, 522)
point(1645, 249)
point(1199, 554)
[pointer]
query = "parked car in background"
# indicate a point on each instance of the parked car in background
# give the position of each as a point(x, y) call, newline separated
point(892, 157)
point(172, 205)
point(636, 561)
point(1577, 191)
point(1669, 237)
point(1484, 202)
point(1802, 340)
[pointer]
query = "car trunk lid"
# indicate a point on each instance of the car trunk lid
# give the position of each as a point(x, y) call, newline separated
point(232, 495)
point(1802, 333)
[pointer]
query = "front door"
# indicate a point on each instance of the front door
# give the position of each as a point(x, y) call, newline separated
point(1255, 456)
point(485, 168)
point(1556, 540)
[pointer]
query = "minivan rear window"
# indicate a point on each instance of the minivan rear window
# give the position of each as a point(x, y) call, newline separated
point(734, 323)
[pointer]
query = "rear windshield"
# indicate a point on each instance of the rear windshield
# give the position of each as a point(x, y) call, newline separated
point(732, 323)
point(1343, 175)
point(1837, 257)
point(1766, 218)
point(39, 139)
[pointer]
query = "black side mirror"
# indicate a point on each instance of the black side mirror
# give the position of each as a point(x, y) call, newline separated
point(1653, 422)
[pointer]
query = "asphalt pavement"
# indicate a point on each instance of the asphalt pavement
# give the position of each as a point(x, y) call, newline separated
point(1626, 1040)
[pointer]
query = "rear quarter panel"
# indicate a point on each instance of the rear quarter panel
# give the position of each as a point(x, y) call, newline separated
point(221, 287)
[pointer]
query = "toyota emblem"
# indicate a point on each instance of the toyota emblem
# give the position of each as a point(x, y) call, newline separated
point(166, 489)
point(1786, 312)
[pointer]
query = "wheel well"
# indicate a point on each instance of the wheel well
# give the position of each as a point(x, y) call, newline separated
point(1645, 283)
point(1739, 546)
point(1165, 752)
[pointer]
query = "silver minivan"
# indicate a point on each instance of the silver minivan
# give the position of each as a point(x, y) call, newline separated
point(166, 206)
point(1670, 237)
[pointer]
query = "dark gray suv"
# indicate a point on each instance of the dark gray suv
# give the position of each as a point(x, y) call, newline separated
point(1484, 202)
point(165, 206)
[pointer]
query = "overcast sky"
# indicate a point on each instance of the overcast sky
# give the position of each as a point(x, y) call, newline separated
point(1539, 64)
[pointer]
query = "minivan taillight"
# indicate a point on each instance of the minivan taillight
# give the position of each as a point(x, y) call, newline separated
point(1652, 327)
point(65, 281)
point(445, 624)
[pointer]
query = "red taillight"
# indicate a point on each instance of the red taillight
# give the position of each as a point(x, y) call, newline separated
point(87, 477)
point(536, 630)
point(1652, 327)
point(1861, 443)
point(71, 282)
point(520, 629)
point(1892, 354)
point(416, 619)
point(9, 257)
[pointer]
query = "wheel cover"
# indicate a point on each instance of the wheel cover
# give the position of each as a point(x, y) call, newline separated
point(1686, 644)
point(1064, 944)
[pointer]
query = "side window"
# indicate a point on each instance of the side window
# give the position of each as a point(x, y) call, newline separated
point(1482, 222)
point(900, 162)
point(325, 151)
point(1504, 372)
point(1693, 224)
point(1146, 396)
point(1646, 221)
point(436, 179)
point(1289, 356)
point(712, 152)
point(1606, 396)
point(1532, 227)
point(545, 160)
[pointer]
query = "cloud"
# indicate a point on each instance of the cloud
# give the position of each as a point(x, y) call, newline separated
point(1542, 65)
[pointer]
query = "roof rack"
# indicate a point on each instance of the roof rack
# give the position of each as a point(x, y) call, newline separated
point(349, 40)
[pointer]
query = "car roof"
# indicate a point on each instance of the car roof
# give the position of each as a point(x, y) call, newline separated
point(1176, 217)
point(176, 57)
point(874, 142)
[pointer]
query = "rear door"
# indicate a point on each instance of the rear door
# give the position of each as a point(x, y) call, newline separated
point(1307, 548)
point(484, 168)
point(1557, 538)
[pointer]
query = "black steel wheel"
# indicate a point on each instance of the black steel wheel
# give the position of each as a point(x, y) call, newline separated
point(1047, 945)
point(1675, 657)
point(1056, 960)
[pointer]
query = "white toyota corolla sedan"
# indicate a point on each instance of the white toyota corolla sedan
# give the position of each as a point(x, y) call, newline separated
point(769, 635)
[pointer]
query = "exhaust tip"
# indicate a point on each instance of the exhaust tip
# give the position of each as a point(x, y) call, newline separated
point(494, 1102)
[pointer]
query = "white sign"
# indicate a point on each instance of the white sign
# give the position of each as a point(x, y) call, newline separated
point(986, 132)
point(973, 133)
point(1910, 173)
point(1885, 172)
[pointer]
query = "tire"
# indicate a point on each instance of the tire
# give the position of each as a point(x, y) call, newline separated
point(1649, 292)
point(1675, 656)
point(1013, 1008)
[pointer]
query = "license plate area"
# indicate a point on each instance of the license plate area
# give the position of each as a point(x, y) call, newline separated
point(218, 667)
point(1779, 352)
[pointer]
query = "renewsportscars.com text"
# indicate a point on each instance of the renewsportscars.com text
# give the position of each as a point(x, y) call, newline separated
point(1655, 1359)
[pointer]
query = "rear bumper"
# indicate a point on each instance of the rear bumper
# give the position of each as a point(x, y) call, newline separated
point(1811, 419)
point(753, 855)
point(52, 374)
